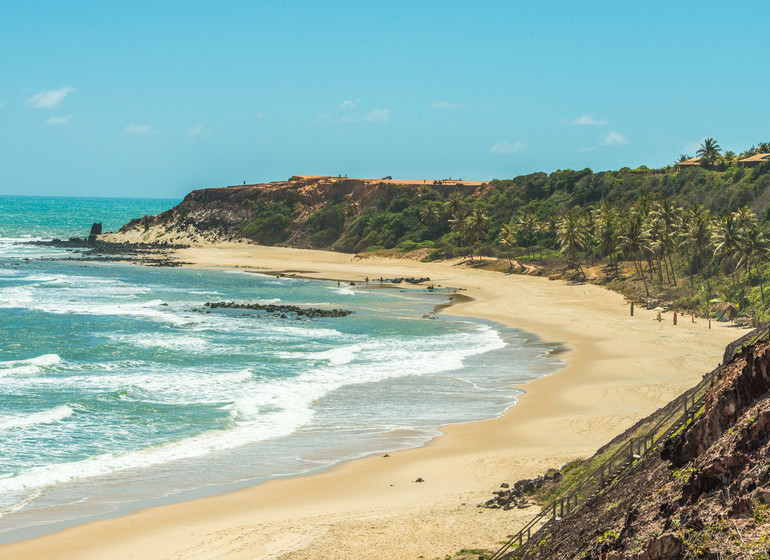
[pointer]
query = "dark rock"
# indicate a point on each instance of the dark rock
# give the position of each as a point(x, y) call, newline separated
point(282, 311)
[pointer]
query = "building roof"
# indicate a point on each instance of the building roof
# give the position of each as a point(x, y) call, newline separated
point(691, 161)
point(755, 157)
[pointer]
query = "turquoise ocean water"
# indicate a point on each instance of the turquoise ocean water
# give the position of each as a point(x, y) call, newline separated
point(116, 392)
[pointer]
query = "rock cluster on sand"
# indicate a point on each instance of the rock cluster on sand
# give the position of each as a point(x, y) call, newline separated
point(281, 310)
point(508, 498)
point(410, 280)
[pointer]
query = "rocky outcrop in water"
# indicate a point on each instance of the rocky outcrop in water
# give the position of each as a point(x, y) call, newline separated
point(285, 311)
point(149, 254)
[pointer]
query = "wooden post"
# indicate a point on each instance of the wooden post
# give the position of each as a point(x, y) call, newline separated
point(674, 317)
point(632, 309)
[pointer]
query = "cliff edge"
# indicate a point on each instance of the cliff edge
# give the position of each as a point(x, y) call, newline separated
point(305, 211)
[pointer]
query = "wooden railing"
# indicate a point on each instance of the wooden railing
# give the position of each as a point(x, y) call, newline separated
point(627, 455)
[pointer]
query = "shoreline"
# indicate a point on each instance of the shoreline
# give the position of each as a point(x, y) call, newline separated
point(618, 369)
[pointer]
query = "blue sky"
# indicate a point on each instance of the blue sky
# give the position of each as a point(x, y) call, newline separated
point(159, 98)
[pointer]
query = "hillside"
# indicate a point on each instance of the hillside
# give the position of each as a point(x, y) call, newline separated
point(703, 492)
point(684, 235)
point(308, 212)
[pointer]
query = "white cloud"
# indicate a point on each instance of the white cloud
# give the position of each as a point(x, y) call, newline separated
point(378, 116)
point(59, 121)
point(139, 129)
point(49, 99)
point(614, 139)
point(197, 131)
point(508, 147)
point(586, 120)
point(348, 104)
point(445, 105)
point(324, 118)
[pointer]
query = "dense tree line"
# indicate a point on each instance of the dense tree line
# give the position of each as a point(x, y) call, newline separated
point(702, 228)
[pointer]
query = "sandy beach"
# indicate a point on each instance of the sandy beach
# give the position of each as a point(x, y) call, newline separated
point(618, 369)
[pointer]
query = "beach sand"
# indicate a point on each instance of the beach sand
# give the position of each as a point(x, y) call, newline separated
point(619, 369)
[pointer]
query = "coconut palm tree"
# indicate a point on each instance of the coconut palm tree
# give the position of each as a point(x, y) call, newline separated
point(606, 231)
point(458, 223)
point(507, 238)
point(454, 204)
point(709, 150)
point(700, 236)
point(527, 226)
point(670, 214)
point(728, 241)
point(632, 242)
point(430, 215)
point(755, 248)
point(572, 237)
point(477, 223)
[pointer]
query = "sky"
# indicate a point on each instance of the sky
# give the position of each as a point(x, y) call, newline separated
point(155, 99)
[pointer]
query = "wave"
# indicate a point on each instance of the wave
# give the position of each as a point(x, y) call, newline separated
point(168, 342)
point(45, 417)
point(343, 291)
point(337, 356)
point(31, 366)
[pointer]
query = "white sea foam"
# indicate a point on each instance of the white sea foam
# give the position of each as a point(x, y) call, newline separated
point(16, 296)
point(337, 356)
point(31, 366)
point(235, 377)
point(44, 417)
point(344, 291)
point(168, 341)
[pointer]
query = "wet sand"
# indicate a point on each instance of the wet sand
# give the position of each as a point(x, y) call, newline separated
point(619, 369)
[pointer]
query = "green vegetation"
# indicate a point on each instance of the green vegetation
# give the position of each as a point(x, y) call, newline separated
point(608, 537)
point(686, 235)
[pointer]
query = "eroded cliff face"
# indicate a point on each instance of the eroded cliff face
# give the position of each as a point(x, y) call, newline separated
point(280, 210)
point(707, 495)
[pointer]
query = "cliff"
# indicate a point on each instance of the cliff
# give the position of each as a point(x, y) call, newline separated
point(704, 493)
point(305, 211)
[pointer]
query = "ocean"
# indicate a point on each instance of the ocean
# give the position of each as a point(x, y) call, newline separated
point(119, 389)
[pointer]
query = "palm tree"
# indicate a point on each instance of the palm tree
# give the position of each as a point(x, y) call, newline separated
point(745, 217)
point(430, 215)
point(728, 241)
point(454, 204)
point(755, 248)
point(458, 223)
point(670, 214)
point(606, 231)
point(632, 242)
point(709, 150)
point(700, 235)
point(527, 225)
point(572, 237)
point(477, 222)
point(507, 239)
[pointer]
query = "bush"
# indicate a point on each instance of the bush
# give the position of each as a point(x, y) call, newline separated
point(409, 245)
